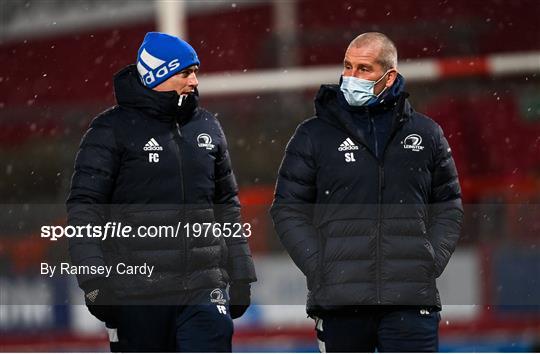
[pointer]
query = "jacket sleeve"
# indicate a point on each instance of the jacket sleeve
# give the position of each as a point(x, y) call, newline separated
point(227, 210)
point(96, 165)
point(294, 198)
point(446, 210)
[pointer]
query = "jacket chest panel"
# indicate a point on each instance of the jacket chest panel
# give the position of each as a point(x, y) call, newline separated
point(407, 167)
point(344, 161)
point(348, 171)
point(199, 150)
point(161, 157)
point(343, 166)
point(151, 154)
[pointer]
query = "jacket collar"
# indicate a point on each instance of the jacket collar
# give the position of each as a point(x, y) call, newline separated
point(328, 108)
point(163, 106)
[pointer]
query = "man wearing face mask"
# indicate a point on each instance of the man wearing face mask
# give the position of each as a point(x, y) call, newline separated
point(368, 205)
point(158, 159)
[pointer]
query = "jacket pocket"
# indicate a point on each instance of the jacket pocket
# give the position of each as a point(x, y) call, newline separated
point(430, 249)
point(423, 227)
point(224, 252)
point(319, 271)
point(314, 267)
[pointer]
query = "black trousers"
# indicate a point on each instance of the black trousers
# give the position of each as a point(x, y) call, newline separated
point(385, 329)
point(203, 326)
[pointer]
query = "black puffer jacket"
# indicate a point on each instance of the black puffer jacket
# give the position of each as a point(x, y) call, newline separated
point(368, 231)
point(189, 180)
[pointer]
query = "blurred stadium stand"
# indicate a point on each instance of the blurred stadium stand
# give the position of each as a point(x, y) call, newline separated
point(58, 58)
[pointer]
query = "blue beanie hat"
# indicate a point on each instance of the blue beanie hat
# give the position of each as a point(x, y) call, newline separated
point(162, 56)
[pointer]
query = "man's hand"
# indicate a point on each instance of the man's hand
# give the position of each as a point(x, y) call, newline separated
point(239, 299)
point(100, 300)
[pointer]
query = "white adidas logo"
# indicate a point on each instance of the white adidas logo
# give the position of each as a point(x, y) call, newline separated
point(347, 145)
point(149, 63)
point(152, 145)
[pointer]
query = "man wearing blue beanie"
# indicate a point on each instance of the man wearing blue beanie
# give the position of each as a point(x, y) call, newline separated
point(157, 159)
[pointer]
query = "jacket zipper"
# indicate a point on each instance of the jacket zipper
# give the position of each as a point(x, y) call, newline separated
point(374, 130)
point(379, 208)
point(379, 221)
point(381, 186)
point(182, 198)
point(178, 142)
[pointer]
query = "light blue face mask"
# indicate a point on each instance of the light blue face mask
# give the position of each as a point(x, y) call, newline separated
point(358, 92)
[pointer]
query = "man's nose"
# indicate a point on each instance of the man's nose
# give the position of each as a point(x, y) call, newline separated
point(350, 72)
point(356, 73)
point(192, 80)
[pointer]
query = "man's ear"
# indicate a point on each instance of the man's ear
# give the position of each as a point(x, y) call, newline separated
point(391, 78)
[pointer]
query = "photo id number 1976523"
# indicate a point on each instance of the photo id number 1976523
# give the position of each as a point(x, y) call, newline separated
point(208, 229)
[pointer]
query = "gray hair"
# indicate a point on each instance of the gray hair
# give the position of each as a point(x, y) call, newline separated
point(388, 53)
